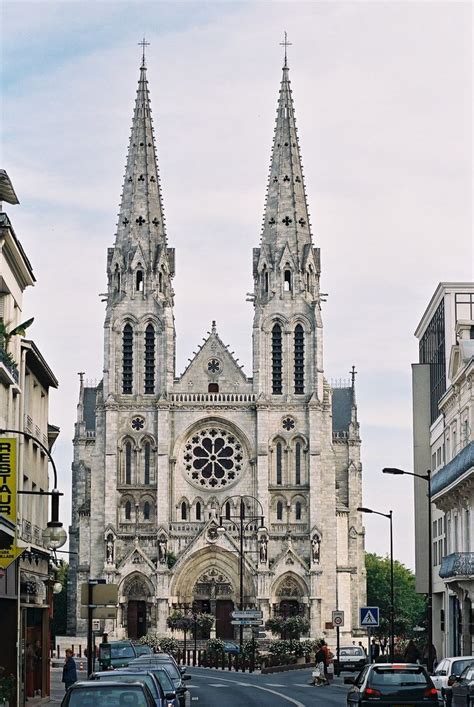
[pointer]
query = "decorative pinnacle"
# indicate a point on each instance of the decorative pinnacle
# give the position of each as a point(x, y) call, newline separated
point(353, 375)
point(143, 44)
point(286, 44)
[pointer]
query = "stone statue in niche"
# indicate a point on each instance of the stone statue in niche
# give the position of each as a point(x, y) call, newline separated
point(109, 549)
point(263, 542)
point(162, 549)
point(315, 549)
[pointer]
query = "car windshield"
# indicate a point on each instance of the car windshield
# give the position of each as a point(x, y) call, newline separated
point(459, 665)
point(397, 677)
point(131, 677)
point(142, 649)
point(121, 650)
point(352, 650)
point(108, 696)
point(170, 667)
point(163, 678)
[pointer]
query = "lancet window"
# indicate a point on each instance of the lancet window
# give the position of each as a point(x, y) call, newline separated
point(298, 463)
point(279, 464)
point(184, 511)
point(127, 364)
point(299, 359)
point(139, 281)
point(146, 511)
point(146, 465)
point(128, 511)
point(150, 360)
point(279, 509)
point(198, 510)
point(277, 360)
point(128, 463)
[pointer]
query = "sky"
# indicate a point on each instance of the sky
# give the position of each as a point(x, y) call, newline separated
point(383, 100)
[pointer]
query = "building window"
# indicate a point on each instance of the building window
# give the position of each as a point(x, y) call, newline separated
point(128, 463)
point(160, 281)
point(139, 281)
point(227, 511)
point(146, 469)
point(299, 359)
point(298, 463)
point(146, 511)
point(128, 510)
point(279, 456)
point(213, 388)
point(432, 351)
point(198, 511)
point(279, 510)
point(287, 281)
point(277, 360)
point(464, 306)
point(127, 350)
point(184, 511)
point(298, 510)
point(150, 359)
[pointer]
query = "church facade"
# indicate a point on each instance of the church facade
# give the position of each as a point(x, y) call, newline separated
point(212, 490)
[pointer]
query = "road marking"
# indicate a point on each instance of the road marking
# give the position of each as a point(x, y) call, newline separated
point(301, 684)
point(274, 684)
point(194, 698)
point(211, 684)
point(257, 687)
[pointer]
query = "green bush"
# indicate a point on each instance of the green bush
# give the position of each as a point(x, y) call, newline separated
point(169, 645)
point(215, 646)
point(205, 621)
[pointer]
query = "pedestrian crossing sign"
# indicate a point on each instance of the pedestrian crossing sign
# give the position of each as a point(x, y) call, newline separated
point(369, 616)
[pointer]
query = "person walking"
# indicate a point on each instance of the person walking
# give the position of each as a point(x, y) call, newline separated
point(69, 670)
point(412, 654)
point(319, 674)
point(374, 651)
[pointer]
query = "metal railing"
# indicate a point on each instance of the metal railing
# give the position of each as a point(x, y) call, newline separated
point(212, 398)
point(457, 564)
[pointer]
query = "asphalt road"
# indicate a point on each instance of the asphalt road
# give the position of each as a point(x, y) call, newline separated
point(213, 688)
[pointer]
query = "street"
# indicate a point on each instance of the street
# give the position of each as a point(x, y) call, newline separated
point(216, 688)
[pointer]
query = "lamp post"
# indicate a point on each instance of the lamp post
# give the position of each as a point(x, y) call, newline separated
point(427, 478)
point(241, 523)
point(388, 515)
point(54, 535)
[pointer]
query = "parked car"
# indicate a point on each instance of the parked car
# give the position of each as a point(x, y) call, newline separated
point(231, 647)
point(162, 698)
point(392, 684)
point(351, 658)
point(121, 653)
point(168, 663)
point(446, 673)
point(142, 649)
point(462, 689)
point(93, 693)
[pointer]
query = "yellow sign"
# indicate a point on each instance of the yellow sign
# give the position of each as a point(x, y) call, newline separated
point(9, 550)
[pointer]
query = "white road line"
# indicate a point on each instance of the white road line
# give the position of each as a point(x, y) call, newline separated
point(257, 687)
point(211, 684)
point(274, 684)
point(194, 698)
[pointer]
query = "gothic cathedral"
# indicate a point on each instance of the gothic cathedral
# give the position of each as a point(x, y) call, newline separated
point(212, 490)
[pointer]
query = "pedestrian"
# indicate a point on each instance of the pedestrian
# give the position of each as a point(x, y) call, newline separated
point(328, 656)
point(412, 654)
point(374, 651)
point(361, 645)
point(428, 659)
point(69, 670)
point(319, 676)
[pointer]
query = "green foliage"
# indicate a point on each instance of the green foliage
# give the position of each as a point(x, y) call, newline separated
point(287, 649)
point(170, 559)
point(177, 621)
point(7, 686)
point(291, 627)
point(19, 330)
point(275, 625)
point(215, 646)
point(152, 640)
point(205, 621)
point(410, 607)
point(168, 645)
point(59, 621)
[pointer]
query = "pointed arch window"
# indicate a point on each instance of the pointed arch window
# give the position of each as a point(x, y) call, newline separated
point(279, 459)
point(117, 278)
point(298, 510)
point(146, 466)
point(264, 280)
point(277, 360)
point(198, 511)
point(298, 463)
point(160, 281)
point(139, 280)
point(287, 281)
point(279, 510)
point(127, 365)
point(227, 511)
point(146, 511)
point(299, 359)
point(184, 511)
point(128, 463)
point(150, 360)
point(128, 511)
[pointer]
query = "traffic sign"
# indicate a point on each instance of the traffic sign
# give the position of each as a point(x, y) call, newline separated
point(247, 622)
point(96, 625)
point(247, 614)
point(99, 612)
point(369, 616)
point(338, 618)
point(101, 593)
point(258, 634)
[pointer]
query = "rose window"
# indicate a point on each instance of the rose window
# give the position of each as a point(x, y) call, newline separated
point(213, 458)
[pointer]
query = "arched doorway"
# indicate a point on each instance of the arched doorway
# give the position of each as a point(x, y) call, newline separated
point(289, 596)
point(137, 596)
point(212, 594)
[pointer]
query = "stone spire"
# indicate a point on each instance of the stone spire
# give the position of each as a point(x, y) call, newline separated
point(141, 219)
point(286, 218)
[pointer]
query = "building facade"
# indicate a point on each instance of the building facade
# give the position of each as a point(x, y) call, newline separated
point(162, 461)
point(443, 419)
point(25, 382)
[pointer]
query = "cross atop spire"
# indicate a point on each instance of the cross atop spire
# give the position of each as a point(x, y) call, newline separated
point(286, 44)
point(143, 44)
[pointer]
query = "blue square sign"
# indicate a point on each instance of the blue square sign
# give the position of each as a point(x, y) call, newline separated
point(369, 616)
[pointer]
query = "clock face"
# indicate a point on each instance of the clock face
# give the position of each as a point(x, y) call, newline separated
point(213, 458)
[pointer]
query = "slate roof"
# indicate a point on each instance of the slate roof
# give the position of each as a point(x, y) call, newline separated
point(341, 409)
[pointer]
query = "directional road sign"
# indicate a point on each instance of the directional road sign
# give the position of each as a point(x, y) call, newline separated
point(247, 622)
point(101, 593)
point(99, 612)
point(338, 618)
point(247, 614)
point(369, 616)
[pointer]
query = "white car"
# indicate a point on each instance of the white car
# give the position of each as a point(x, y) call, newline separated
point(446, 672)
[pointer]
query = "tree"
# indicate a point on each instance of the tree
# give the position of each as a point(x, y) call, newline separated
point(410, 607)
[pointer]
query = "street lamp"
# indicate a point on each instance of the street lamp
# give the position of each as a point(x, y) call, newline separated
point(426, 477)
point(54, 535)
point(241, 526)
point(388, 515)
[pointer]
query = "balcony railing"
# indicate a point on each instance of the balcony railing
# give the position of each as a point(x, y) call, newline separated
point(9, 364)
point(458, 564)
point(453, 470)
point(212, 398)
